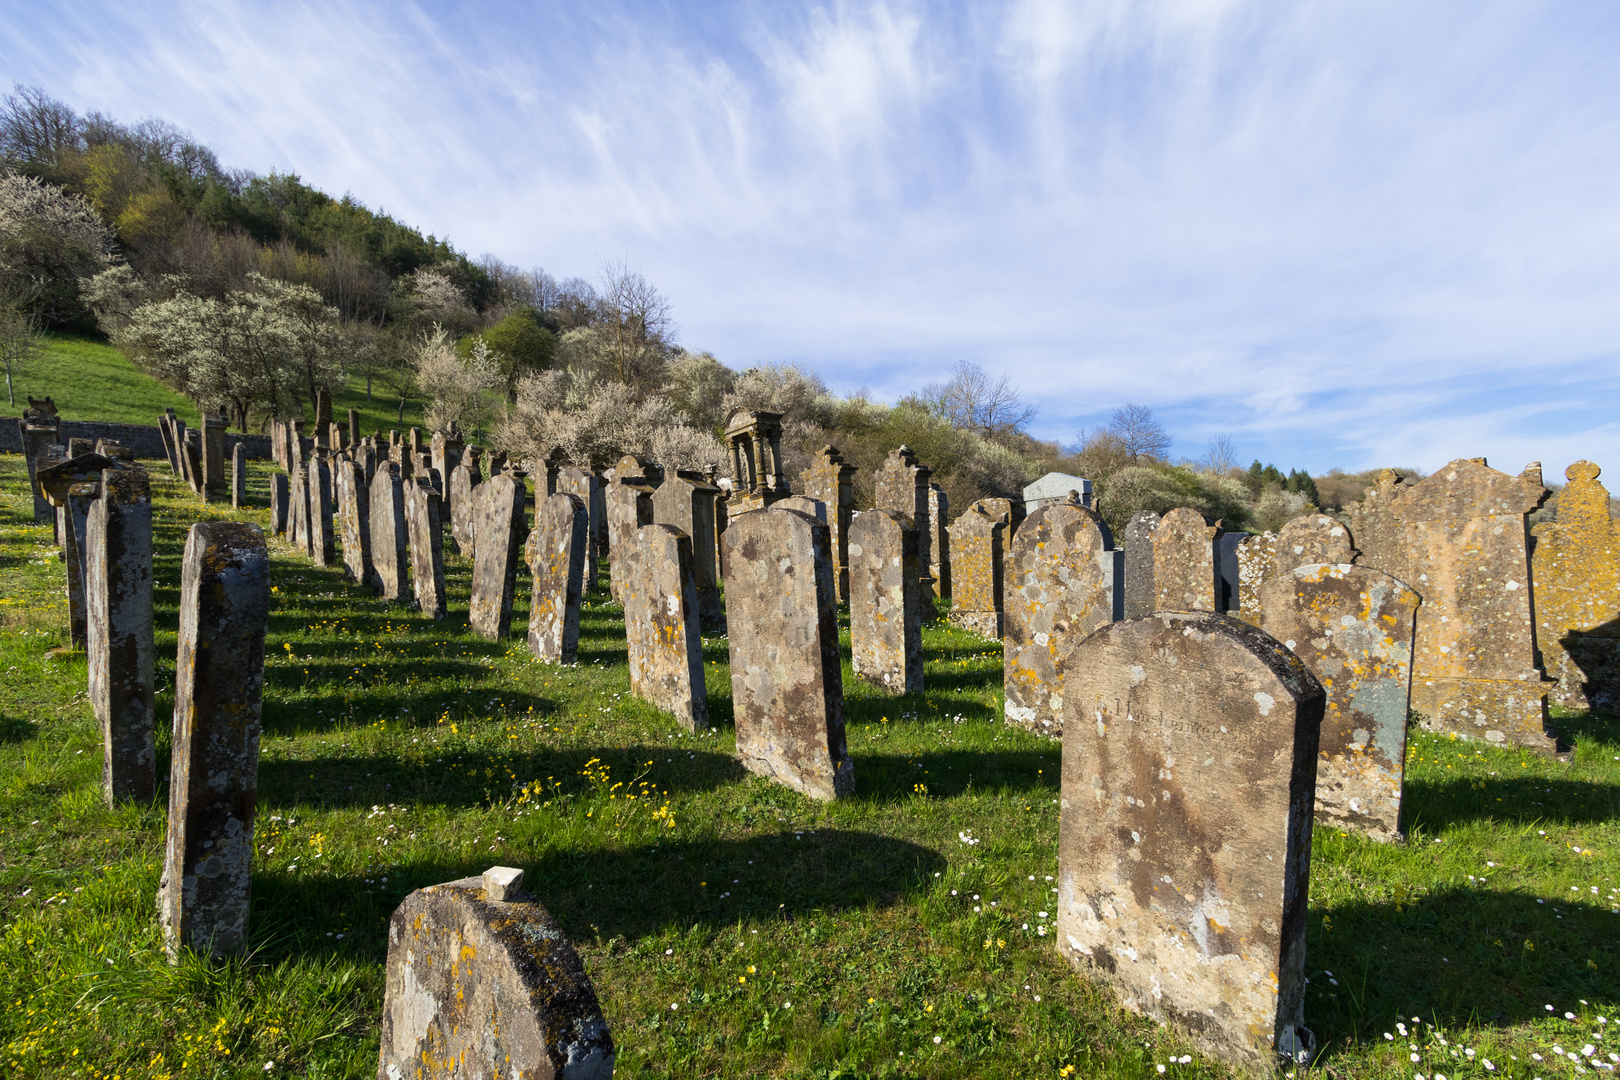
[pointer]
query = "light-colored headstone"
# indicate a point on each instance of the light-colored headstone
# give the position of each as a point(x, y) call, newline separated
point(901, 485)
point(500, 533)
point(1184, 842)
point(1257, 564)
point(386, 517)
point(238, 476)
point(939, 541)
point(686, 500)
point(214, 775)
point(1576, 569)
point(426, 539)
point(659, 593)
point(978, 547)
point(1055, 487)
point(118, 633)
point(1140, 596)
point(629, 508)
point(322, 540)
point(354, 521)
point(1184, 569)
point(832, 481)
point(886, 595)
point(787, 687)
point(588, 487)
point(463, 518)
point(555, 553)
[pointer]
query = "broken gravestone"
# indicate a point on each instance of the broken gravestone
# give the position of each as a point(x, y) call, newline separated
point(214, 775)
point(482, 985)
point(555, 554)
point(118, 633)
point(978, 544)
point(886, 595)
point(1184, 843)
point(1576, 568)
point(499, 531)
point(386, 517)
point(658, 589)
point(787, 686)
point(426, 540)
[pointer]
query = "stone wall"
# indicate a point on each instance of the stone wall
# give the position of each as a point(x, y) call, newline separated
point(144, 439)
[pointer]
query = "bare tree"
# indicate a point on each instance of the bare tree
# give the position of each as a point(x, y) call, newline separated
point(20, 343)
point(636, 324)
point(36, 128)
point(1139, 432)
point(1220, 456)
point(972, 401)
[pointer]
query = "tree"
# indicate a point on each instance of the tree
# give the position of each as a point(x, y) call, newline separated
point(635, 323)
point(1220, 456)
point(35, 128)
point(972, 401)
point(459, 390)
point(1139, 432)
point(20, 343)
point(48, 241)
point(522, 345)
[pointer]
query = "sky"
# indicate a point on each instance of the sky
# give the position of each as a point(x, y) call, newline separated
point(1344, 234)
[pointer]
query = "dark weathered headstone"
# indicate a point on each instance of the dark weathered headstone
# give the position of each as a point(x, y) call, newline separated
point(79, 446)
point(354, 427)
point(555, 553)
point(1185, 575)
point(386, 518)
point(279, 502)
point(482, 985)
point(901, 485)
point(1352, 626)
point(213, 459)
point(1061, 584)
point(939, 541)
point(322, 541)
point(118, 633)
point(238, 476)
point(214, 776)
point(978, 546)
point(686, 501)
point(886, 595)
point(166, 432)
point(354, 520)
point(831, 480)
point(76, 518)
point(588, 487)
point(1140, 596)
point(427, 546)
point(37, 435)
point(787, 686)
point(659, 593)
point(1184, 843)
point(500, 536)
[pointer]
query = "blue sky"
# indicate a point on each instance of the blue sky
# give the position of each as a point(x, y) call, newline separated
point(1346, 234)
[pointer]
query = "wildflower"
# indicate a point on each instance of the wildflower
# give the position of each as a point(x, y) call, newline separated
point(937, 1040)
point(1160, 1068)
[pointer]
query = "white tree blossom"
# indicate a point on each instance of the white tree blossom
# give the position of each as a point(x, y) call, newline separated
point(459, 390)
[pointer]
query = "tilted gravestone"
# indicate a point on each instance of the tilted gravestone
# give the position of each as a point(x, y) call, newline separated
point(322, 541)
point(629, 508)
point(1140, 597)
point(665, 639)
point(166, 433)
point(901, 485)
point(118, 633)
point(1353, 627)
point(481, 983)
point(354, 520)
point(832, 481)
point(1062, 583)
point(426, 542)
point(1576, 568)
point(978, 545)
point(192, 460)
point(1458, 537)
point(588, 487)
point(787, 686)
point(939, 541)
point(279, 502)
point(500, 535)
point(1185, 576)
point(555, 554)
point(463, 479)
point(238, 476)
point(214, 776)
point(386, 517)
point(886, 595)
point(1184, 842)
point(686, 500)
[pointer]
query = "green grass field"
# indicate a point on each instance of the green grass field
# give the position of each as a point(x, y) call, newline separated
point(731, 927)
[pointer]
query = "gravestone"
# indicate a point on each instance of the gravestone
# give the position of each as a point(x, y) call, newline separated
point(1185, 576)
point(659, 593)
point(213, 459)
point(354, 521)
point(1054, 487)
point(192, 459)
point(754, 441)
point(1459, 538)
point(278, 504)
point(118, 633)
point(1140, 597)
point(1257, 564)
point(787, 687)
point(588, 487)
point(1061, 584)
point(1313, 538)
point(447, 449)
point(76, 519)
point(1576, 568)
point(462, 480)
point(386, 518)
point(297, 509)
point(481, 983)
point(978, 546)
point(78, 447)
point(214, 776)
point(354, 427)
point(686, 500)
point(166, 432)
point(1352, 626)
point(323, 413)
point(238, 476)
point(1184, 841)
point(832, 480)
point(500, 535)
point(426, 541)
point(939, 541)
point(40, 432)
point(886, 595)
point(901, 485)
point(629, 508)
point(555, 554)
point(322, 542)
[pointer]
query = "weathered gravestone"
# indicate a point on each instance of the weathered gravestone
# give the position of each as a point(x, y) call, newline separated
point(298, 509)
point(40, 432)
point(1352, 626)
point(447, 448)
point(939, 541)
point(1062, 582)
point(426, 540)
point(629, 508)
point(1257, 564)
point(787, 686)
point(354, 521)
point(901, 485)
point(1140, 597)
point(191, 458)
point(686, 500)
point(832, 481)
point(555, 554)
point(214, 775)
point(118, 633)
point(659, 593)
point(354, 427)
point(386, 518)
point(238, 476)
point(978, 546)
point(754, 441)
point(166, 433)
point(322, 542)
point(71, 484)
point(213, 459)
point(278, 504)
point(886, 596)
point(500, 534)
point(463, 479)
point(482, 985)
point(1184, 843)
point(1576, 568)
point(1459, 538)
point(1185, 576)
point(587, 486)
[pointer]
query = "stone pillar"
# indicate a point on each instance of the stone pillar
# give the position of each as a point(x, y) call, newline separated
point(386, 516)
point(629, 508)
point(885, 602)
point(1060, 586)
point(832, 480)
point(238, 476)
point(479, 973)
point(1184, 842)
point(978, 542)
point(686, 501)
point(322, 542)
point(787, 687)
point(500, 534)
point(278, 504)
point(754, 441)
point(118, 633)
point(901, 485)
point(1140, 595)
point(588, 487)
point(427, 546)
point(354, 522)
point(555, 554)
point(1185, 572)
point(36, 437)
point(939, 541)
point(323, 417)
point(354, 427)
point(213, 781)
point(658, 588)
point(461, 481)
point(213, 459)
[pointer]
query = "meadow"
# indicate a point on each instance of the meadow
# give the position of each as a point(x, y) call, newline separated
point(731, 927)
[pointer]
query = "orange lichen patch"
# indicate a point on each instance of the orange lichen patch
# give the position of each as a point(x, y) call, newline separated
point(1576, 570)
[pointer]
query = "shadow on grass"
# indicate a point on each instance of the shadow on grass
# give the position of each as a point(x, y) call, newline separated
point(608, 893)
point(1454, 957)
point(1587, 726)
point(15, 729)
point(1435, 806)
point(884, 777)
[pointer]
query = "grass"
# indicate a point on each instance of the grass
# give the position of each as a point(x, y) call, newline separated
point(731, 927)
